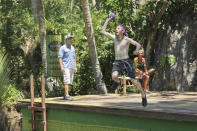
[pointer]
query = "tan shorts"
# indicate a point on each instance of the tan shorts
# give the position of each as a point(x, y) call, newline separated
point(68, 76)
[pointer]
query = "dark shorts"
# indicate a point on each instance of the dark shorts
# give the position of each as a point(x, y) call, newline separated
point(126, 64)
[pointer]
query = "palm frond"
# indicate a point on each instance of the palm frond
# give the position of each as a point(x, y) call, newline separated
point(8, 93)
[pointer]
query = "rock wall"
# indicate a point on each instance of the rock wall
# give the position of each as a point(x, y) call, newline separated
point(10, 120)
point(179, 40)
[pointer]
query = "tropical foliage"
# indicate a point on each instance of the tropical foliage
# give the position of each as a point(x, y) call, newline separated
point(9, 95)
point(19, 37)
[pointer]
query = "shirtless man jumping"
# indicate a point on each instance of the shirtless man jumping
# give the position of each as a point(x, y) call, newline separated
point(122, 60)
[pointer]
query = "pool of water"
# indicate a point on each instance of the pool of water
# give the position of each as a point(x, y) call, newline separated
point(68, 120)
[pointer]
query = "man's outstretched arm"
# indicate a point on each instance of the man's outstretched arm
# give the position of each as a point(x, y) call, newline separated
point(104, 29)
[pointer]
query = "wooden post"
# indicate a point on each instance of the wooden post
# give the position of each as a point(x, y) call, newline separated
point(43, 104)
point(32, 99)
point(124, 85)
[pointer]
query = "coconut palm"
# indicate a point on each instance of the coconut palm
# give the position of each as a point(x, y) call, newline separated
point(8, 93)
point(4, 79)
point(92, 48)
point(42, 31)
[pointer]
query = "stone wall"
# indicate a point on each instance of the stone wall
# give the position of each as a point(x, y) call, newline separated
point(179, 40)
point(10, 119)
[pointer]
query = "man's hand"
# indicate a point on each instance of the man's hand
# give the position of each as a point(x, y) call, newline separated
point(110, 19)
point(62, 70)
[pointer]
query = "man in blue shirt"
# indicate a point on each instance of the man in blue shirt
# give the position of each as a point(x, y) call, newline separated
point(67, 60)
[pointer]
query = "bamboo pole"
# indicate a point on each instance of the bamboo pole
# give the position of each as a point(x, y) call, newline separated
point(32, 99)
point(43, 104)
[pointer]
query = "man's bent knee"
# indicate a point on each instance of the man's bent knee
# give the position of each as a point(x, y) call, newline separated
point(115, 76)
point(135, 82)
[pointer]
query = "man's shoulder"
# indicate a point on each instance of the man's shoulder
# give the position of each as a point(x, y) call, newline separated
point(72, 47)
point(126, 38)
point(63, 46)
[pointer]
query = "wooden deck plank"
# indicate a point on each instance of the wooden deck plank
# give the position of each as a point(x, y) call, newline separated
point(161, 105)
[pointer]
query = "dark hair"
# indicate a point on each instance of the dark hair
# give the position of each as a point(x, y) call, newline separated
point(126, 34)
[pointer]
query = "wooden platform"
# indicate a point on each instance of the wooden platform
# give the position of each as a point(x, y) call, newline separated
point(161, 105)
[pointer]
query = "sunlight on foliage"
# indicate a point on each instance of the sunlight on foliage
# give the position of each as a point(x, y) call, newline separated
point(11, 96)
point(18, 29)
point(167, 58)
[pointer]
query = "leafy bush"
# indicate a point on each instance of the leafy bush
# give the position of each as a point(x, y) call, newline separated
point(10, 96)
point(18, 26)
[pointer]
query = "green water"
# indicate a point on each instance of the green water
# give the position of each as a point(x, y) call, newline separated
point(67, 120)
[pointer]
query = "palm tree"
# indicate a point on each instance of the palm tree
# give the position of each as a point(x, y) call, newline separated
point(42, 32)
point(9, 95)
point(101, 87)
point(4, 76)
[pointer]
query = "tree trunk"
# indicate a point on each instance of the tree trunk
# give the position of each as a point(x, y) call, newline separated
point(34, 10)
point(28, 48)
point(155, 22)
point(42, 32)
point(71, 12)
point(92, 48)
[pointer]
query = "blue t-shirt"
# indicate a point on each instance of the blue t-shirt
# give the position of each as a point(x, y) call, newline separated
point(68, 56)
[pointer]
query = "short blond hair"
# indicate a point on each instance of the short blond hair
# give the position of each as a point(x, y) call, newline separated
point(141, 50)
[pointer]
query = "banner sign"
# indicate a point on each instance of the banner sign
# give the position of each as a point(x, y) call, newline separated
point(54, 42)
